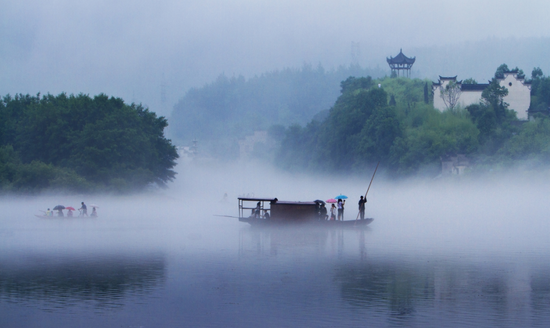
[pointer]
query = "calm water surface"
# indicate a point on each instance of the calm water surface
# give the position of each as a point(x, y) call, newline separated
point(153, 263)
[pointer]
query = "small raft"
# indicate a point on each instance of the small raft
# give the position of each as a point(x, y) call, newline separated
point(62, 217)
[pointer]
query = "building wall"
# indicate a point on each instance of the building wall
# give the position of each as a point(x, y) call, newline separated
point(519, 95)
point(469, 97)
point(466, 97)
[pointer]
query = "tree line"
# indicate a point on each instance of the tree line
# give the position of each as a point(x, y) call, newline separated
point(392, 120)
point(82, 144)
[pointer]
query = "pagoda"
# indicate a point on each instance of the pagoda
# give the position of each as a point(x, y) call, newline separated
point(401, 62)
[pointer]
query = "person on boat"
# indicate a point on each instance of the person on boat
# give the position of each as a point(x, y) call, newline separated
point(60, 212)
point(48, 212)
point(341, 209)
point(70, 214)
point(94, 212)
point(323, 212)
point(266, 215)
point(361, 203)
point(83, 209)
point(257, 210)
point(333, 212)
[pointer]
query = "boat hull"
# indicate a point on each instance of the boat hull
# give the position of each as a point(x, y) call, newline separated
point(319, 223)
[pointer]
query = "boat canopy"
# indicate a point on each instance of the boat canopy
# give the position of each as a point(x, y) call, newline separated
point(257, 199)
point(278, 210)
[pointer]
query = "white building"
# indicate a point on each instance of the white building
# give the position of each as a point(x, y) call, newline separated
point(518, 98)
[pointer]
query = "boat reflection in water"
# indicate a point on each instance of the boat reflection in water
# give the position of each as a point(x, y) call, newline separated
point(57, 281)
point(313, 242)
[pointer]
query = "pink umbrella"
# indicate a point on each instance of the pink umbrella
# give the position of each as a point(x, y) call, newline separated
point(332, 200)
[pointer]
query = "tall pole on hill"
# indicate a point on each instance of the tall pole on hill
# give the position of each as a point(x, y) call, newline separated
point(368, 188)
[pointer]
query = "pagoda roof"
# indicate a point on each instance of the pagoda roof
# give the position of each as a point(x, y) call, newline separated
point(401, 59)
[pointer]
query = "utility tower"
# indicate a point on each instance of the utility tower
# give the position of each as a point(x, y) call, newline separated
point(355, 53)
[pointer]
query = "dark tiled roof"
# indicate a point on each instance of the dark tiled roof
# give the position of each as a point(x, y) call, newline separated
point(400, 59)
point(474, 87)
point(447, 77)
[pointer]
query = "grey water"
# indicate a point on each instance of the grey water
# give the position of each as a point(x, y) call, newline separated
point(453, 254)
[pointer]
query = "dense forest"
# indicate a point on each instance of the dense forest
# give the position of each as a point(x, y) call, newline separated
point(84, 144)
point(231, 108)
point(393, 121)
point(81, 144)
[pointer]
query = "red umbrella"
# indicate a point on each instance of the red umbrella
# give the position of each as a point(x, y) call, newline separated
point(332, 200)
point(70, 208)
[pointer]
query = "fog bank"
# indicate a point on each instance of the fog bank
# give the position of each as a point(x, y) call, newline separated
point(153, 52)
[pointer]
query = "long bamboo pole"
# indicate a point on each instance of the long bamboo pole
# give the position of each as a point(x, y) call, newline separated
point(368, 187)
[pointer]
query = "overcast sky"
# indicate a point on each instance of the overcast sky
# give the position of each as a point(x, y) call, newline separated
point(130, 48)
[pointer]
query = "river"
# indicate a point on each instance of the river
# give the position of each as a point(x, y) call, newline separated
point(434, 256)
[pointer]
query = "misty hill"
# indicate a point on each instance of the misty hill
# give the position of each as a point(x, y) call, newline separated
point(81, 144)
point(235, 107)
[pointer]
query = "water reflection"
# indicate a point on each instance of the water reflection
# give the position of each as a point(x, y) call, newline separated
point(422, 291)
point(64, 280)
point(320, 241)
point(413, 289)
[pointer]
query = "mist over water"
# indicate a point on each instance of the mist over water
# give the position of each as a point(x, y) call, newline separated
point(463, 252)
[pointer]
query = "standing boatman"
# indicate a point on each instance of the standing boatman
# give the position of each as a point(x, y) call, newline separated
point(361, 203)
point(84, 210)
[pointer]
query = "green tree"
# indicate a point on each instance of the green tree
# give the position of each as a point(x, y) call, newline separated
point(485, 119)
point(426, 94)
point(540, 93)
point(410, 137)
point(363, 129)
point(450, 94)
point(531, 143)
point(100, 139)
point(392, 101)
point(536, 73)
point(494, 95)
point(499, 73)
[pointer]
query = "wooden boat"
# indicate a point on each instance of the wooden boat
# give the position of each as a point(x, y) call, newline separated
point(271, 211)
